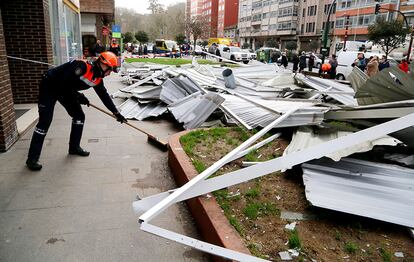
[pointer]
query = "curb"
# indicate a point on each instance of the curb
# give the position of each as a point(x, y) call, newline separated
point(210, 219)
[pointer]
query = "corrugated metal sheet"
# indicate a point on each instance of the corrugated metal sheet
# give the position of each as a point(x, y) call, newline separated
point(194, 109)
point(374, 190)
point(390, 84)
point(177, 88)
point(261, 112)
point(340, 92)
point(305, 137)
point(131, 109)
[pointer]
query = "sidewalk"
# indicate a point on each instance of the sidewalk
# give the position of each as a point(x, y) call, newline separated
point(80, 209)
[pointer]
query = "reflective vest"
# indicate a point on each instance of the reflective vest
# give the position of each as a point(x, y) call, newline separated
point(114, 45)
point(87, 78)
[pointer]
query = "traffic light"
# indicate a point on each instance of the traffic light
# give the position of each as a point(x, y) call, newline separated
point(377, 8)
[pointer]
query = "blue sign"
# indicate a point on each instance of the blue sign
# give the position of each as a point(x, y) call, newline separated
point(116, 29)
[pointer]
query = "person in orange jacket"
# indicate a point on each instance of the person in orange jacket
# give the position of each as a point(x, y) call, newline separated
point(114, 48)
point(61, 84)
point(404, 66)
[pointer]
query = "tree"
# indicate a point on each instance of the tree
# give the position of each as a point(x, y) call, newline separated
point(271, 42)
point(180, 39)
point(389, 35)
point(155, 7)
point(128, 37)
point(314, 45)
point(141, 36)
point(196, 26)
point(245, 45)
point(291, 45)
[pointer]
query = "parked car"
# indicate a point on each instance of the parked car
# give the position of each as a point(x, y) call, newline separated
point(268, 51)
point(347, 58)
point(235, 54)
point(252, 55)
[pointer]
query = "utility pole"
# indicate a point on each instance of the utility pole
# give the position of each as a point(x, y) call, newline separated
point(324, 49)
point(346, 31)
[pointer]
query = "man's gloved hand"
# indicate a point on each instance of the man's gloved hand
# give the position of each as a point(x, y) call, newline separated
point(120, 118)
point(82, 99)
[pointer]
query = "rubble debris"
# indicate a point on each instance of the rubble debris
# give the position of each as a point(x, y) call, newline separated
point(291, 226)
point(285, 256)
point(288, 215)
point(399, 254)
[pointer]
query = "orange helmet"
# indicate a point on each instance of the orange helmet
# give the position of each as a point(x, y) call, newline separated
point(326, 67)
point(109, 59)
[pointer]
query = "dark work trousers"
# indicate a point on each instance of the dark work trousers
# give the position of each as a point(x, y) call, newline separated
point(47, 100)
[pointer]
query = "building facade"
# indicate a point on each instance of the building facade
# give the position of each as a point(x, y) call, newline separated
point(407, 7)
point(227, 18)
point(97, 17)
point(313, 15)
point(361, 14)
point(210, 15)
point(268, 21)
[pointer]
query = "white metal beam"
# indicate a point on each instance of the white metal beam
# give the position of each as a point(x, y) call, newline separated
point(147, 216)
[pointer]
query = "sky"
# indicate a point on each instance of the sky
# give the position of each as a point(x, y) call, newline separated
point(140, 6)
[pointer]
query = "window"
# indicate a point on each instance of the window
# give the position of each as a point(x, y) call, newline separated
point(312, 10)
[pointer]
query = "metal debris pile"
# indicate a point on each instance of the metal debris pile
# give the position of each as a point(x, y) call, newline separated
point(333, 123)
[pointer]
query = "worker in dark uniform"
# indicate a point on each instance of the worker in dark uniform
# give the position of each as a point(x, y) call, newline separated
point(114, 48)
point(62, 84)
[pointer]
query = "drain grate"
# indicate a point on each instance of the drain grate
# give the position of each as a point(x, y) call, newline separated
point(93, 140)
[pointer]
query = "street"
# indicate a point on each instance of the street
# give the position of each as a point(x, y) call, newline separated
point(80, 209)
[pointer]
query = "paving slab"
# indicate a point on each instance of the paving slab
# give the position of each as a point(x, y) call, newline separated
point(80, 209)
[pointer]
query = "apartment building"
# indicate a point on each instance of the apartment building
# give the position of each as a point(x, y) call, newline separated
point(210, 12)
point(227, 18)
point(313, 15)
point(361, 15)
point(407, 7)
point(264, 21)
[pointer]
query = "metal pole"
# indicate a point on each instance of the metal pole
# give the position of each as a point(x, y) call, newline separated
point(324, 50)
point(346, 32)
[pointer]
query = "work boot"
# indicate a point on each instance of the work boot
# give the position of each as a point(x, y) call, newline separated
point(78, 151)
point(75, 138)
point(35, 149)
point(33, 165)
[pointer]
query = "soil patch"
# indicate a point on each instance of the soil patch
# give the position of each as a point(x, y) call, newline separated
point(254, 209)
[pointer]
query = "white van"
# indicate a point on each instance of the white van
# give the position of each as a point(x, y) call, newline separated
point(346, 58)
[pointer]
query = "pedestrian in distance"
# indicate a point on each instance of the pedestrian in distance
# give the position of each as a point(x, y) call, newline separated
point(62, 84)
point(295, 61)
point(311, 62)
point(284, 60)
point(404, 66)
point(302, 61)
point(384, 63)
point(360, 62)
point(145, 50)
point(99, 48)
point(262, 56)
point(140, 50)
point(334, 64)
point(373, 66)
point(114, 48)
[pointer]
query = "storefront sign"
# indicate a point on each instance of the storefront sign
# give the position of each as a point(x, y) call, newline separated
point(116, 31)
